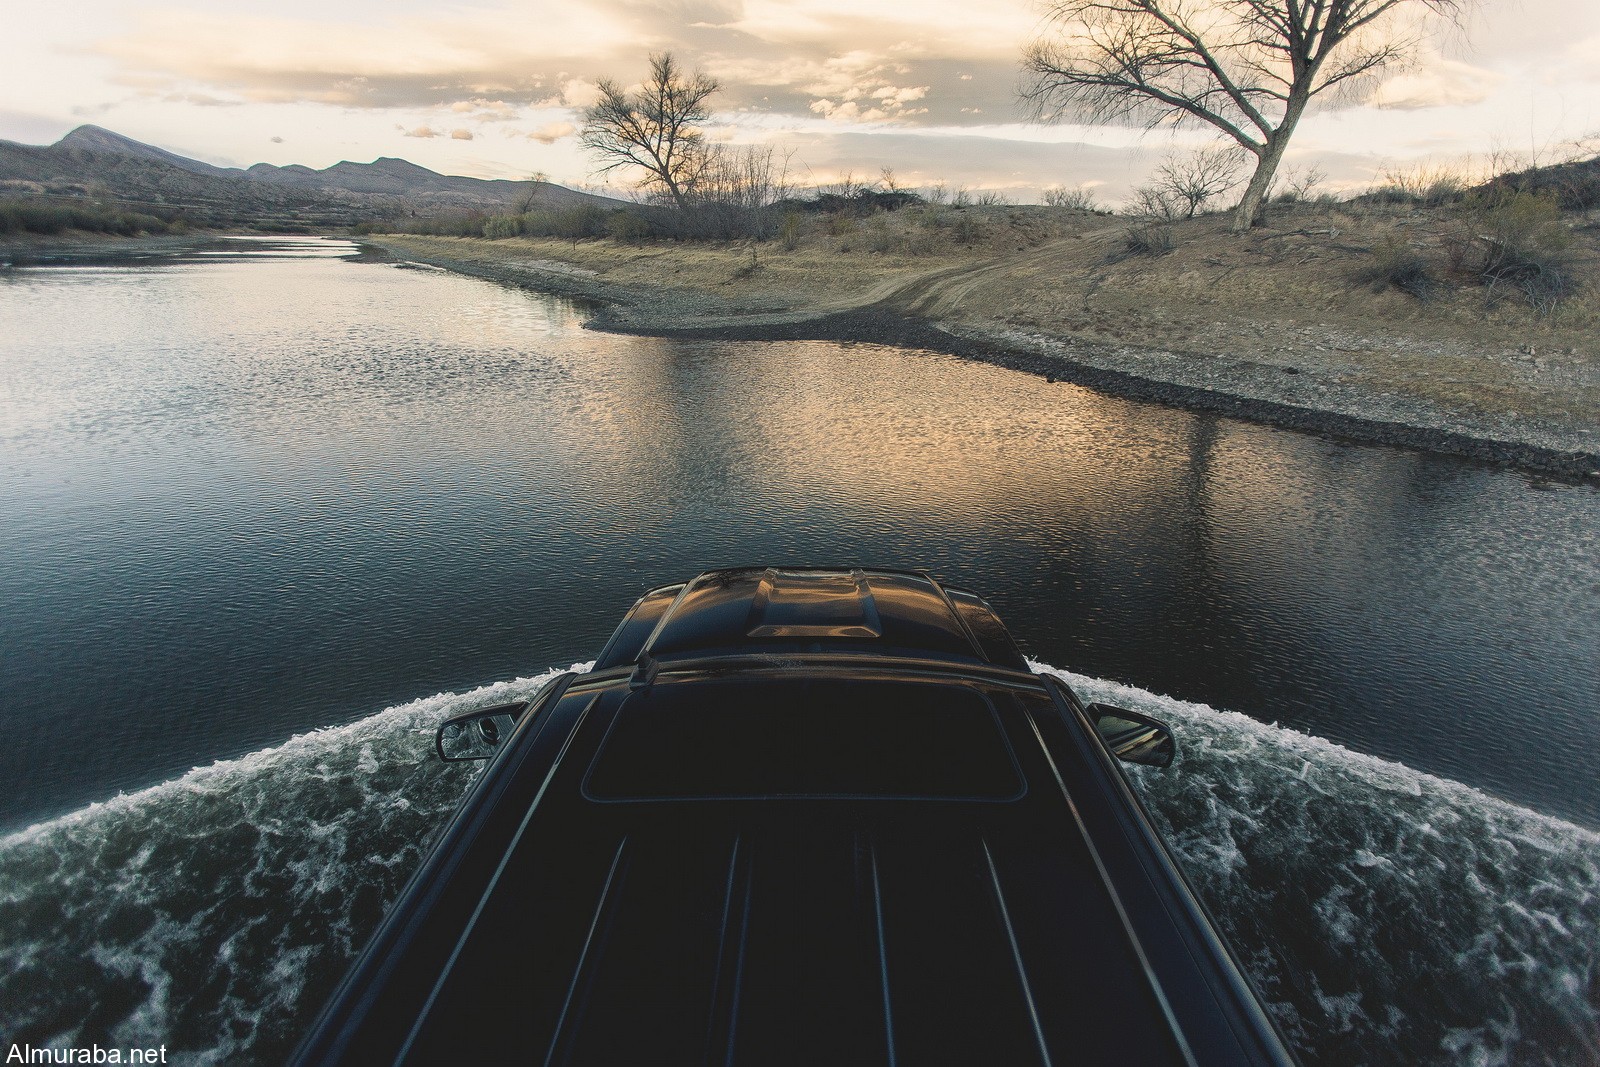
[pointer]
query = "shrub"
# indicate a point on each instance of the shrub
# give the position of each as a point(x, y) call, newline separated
point(876, 236)
point(858, 202)
point(965, 227)
point(1300, 185)
point(628, 226)
point(499, 226)
point(1422, 185)
point(1151, 203)
point(584, 220)
point(1183, 185)
point(32, 216)
point(747, 268)
point(1397, 264)
point(461, 224)
point(789, 231)
point(919, 243)
point(1148, 239)
point(1077, 199)
point(1575, 183)
point(1514, 242)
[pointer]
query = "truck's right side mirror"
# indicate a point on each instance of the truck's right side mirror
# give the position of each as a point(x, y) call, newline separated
point(1133, 737)
point(476, 734)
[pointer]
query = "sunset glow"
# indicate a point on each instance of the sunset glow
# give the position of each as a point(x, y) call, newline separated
point(496, 89)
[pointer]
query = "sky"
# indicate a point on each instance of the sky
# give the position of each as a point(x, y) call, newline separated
point(496, 89)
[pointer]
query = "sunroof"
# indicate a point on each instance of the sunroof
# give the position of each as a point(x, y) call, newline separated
point(813, 739)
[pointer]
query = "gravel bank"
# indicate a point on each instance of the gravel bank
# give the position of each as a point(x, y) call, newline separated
point(1312, 395)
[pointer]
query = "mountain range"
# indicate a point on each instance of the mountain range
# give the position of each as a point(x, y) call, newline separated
point(96, 163)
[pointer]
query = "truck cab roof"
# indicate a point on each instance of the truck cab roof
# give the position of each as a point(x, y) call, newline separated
point(770, 611)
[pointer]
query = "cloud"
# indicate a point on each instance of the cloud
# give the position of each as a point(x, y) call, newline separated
point(939, 63)
point(200, 100)
point(575, 92)
point(960, 159)
point(1437, 82)
point(276, 140)
point(484, 110)
point(461, 135)
point(405, 61)
point(551, 133)
point(855, 62)
point(420, 131)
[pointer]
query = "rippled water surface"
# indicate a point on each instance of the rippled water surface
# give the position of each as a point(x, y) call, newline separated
point(251, 494)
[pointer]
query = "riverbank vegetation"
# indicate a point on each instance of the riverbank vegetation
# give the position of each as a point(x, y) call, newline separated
point(1478, 311)
point(1450, 245)
point(46, 217)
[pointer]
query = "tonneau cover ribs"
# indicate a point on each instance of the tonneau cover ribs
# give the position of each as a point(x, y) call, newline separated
point(801, 932)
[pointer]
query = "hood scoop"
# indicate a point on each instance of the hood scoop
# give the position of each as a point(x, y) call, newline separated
point(813, 604)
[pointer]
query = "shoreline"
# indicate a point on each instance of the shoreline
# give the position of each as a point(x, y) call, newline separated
point(1234, 388)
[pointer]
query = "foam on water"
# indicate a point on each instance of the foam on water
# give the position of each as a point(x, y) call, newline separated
point(215, 912)
point(1389, 917)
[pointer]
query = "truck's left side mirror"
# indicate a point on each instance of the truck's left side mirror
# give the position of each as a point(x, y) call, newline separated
point(1133, 737)
point(476, 734)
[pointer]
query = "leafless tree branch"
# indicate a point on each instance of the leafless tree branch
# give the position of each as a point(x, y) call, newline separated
point(1248, 68)
point(655, 128)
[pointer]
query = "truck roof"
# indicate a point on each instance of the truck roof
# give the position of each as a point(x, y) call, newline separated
point(777, 610)
point(858, 833)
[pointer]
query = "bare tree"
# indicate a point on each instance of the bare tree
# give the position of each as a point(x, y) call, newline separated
point(1247, 67)
point(1191, 182)
point(736, 191)
point(536, 186)
point(655, 128)
point(1300, 184)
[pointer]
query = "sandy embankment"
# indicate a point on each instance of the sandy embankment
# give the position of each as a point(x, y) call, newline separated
point(1272, 328)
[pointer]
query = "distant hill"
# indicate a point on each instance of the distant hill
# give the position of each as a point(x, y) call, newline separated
point(97, 139)
point(96, 163)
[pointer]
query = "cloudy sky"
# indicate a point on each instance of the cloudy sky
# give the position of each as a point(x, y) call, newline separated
point(495, 89)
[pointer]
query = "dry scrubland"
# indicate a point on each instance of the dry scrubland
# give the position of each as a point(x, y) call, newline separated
point(1371, 310)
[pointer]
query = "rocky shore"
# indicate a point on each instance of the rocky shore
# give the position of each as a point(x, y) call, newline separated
point(1467, 392)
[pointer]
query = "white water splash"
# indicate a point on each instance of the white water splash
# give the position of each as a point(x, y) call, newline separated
point(214, 913)
point(1389, 917)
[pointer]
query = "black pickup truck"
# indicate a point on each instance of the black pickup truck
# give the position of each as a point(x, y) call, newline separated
point(800, 816)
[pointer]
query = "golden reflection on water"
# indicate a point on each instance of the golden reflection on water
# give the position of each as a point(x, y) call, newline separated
point(368, 482)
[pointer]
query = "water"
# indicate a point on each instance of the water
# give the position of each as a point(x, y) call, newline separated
point(1389, 917)
point(248, 495)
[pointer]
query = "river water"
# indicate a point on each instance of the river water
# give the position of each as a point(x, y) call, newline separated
point(271, 487)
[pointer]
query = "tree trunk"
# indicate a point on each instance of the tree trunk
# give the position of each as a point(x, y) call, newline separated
point(1252, 208)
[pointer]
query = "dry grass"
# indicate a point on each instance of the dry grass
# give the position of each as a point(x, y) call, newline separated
point(1290, 294)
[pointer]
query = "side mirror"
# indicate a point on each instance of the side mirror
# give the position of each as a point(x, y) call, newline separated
point(1133, 737)
point(476, 734)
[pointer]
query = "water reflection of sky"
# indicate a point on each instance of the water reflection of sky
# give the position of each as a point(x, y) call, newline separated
point(259, 493)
